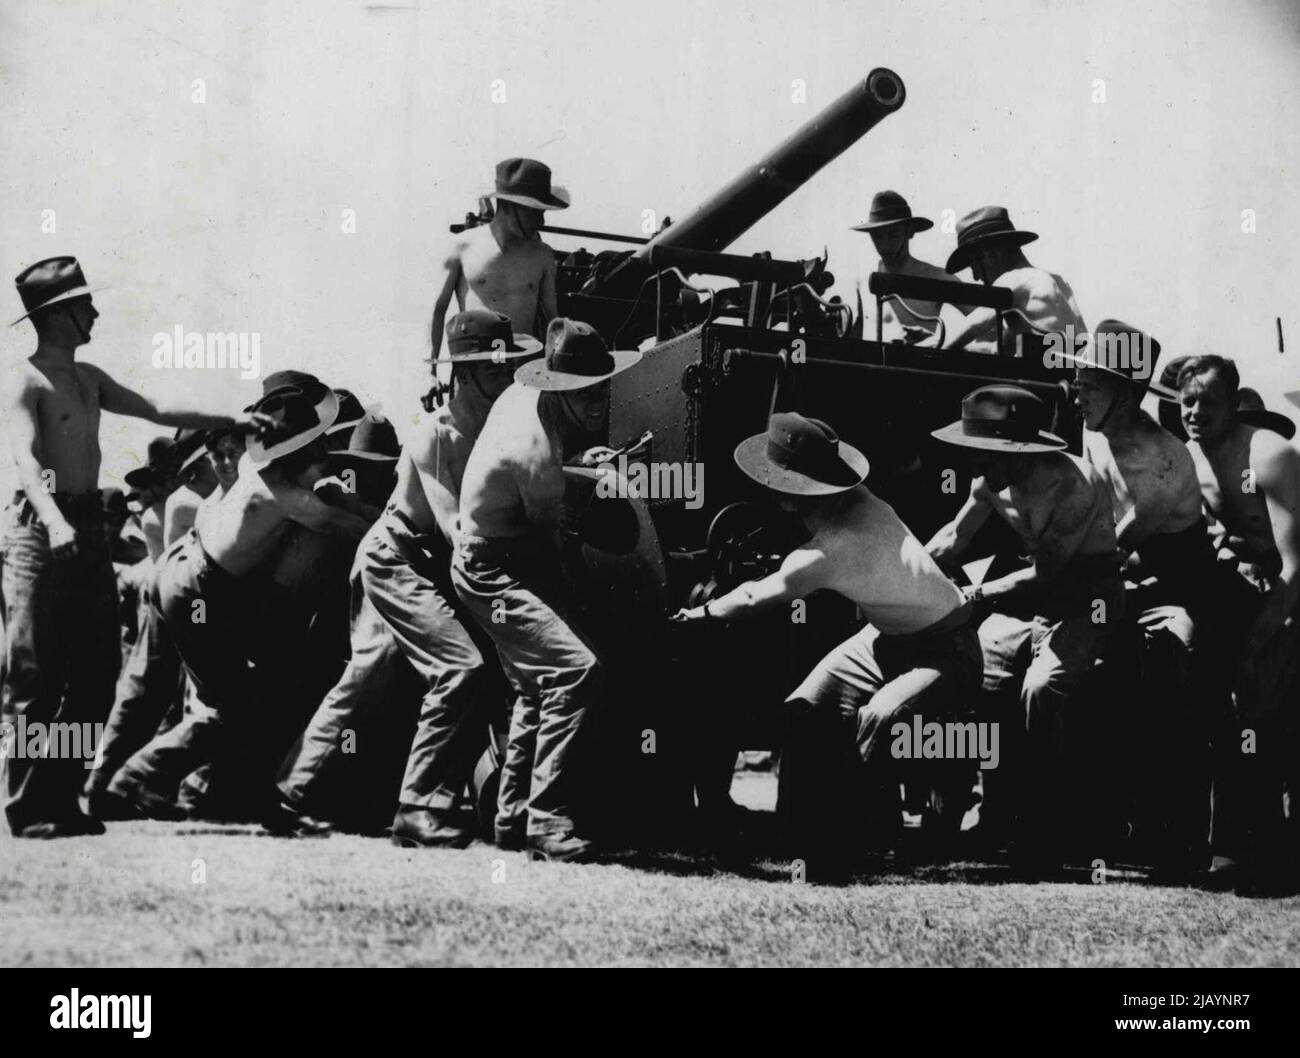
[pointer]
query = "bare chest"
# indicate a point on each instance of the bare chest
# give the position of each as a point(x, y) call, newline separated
point(1026, 514)
point(69, 407)
point(490, 275)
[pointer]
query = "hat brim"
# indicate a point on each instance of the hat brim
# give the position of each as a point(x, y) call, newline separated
point(1084, 364)
point(1268, 420)
point(141, 477)
point(536, 375)
point(559, 199)
point(752, 458)
point(261, 456)
point(198, 453)
point(915, 223)
point(961, 256)
point(522, 345)
point(953, 434)
point(368, 457)
point(76, 292)
point(346, 425)
point(1163, 392)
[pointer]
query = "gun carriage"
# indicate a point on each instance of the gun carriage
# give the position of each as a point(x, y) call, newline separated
point(717, 362)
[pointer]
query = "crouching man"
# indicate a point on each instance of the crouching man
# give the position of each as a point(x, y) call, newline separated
point(918, 655)
point(507, 570)
point(210, 599)
point(1053, 617)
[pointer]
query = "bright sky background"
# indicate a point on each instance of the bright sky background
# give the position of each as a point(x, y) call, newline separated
point(225, 215)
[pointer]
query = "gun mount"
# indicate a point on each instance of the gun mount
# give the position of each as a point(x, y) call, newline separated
point(716, 363)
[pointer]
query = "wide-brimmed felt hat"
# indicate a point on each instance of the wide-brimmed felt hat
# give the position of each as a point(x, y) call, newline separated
point(351, 411)
point(801, 457)
point(374, 440)
point(1110, 349)
point(480, 334)
point(528, 182)
point(575, 358)
point(1001, 419)
point(1166, 386)
point(50, 281)
point(287, 377)
point(1252, 411)
point(167, 458)
point(979, 228)
point(300, 415)
point(889, 208)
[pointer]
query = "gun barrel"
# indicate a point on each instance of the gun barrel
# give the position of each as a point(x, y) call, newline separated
point(724, 217)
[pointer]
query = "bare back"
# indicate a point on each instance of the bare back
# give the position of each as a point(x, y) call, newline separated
point(1044, 297)
point(514, 482)
point(244, 527)
point(429, 477)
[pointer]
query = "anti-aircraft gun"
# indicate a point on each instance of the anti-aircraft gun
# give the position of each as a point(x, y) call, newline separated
point(716, 364)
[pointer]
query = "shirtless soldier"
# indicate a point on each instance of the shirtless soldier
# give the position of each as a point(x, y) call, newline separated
point(61, 637)
point(210, 604)
point(989, 244)
point(504, 267)
point(404, 607)
point(1250, 482)
point(1171, 567)
point(507, 570)
point(1052, 619)
point(891, 227)
point(918, 656)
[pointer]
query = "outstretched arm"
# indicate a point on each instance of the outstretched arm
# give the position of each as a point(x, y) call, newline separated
point(121, 400)
point(802, 573)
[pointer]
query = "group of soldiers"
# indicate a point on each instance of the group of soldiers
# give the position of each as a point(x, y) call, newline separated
point(256, 658)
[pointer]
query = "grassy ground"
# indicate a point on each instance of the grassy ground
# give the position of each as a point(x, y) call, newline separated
point(190, 894)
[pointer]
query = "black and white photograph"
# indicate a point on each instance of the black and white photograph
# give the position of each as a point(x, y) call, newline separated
point(550, 483)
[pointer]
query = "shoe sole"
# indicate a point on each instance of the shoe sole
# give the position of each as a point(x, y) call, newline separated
point(414, 843)
point(538, 856)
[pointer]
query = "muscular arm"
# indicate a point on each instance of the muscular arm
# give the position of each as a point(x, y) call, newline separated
point(980, 325)
point(443, 302)
point(1277, 476)
point(1057, 544)
point(303, 506)
point(179, 515)
point(800, 574)
point(948, 544)
point(25, 440)
point(547, 306)
point(117, 398)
